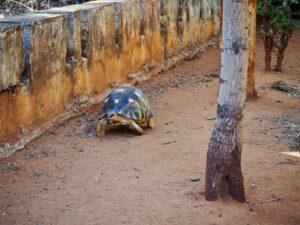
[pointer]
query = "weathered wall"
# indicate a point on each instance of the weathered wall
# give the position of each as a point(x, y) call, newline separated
point(11, 55)
point(48, 58)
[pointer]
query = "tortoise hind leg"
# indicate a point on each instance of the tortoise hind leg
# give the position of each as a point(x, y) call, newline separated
point(134, 126)
point(150, 123)
point(101, 127)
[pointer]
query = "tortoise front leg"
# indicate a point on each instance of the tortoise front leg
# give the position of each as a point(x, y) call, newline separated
point(134, 126)
point(150, 123)
point(101, 127)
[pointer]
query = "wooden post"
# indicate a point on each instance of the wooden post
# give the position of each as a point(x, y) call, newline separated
point(251, 92)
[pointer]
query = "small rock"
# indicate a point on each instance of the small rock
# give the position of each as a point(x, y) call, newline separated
point(195, 179)
point(14, 167)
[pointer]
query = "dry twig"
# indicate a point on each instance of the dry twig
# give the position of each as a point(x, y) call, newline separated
point(21, 4)
point(288, 87)
point(274, 198)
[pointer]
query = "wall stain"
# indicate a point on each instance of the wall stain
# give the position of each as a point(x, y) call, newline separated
point(118, 28)
point(164, 26)
point(143, 23)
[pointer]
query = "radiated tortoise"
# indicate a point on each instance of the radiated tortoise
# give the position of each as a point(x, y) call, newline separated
point(125, 105)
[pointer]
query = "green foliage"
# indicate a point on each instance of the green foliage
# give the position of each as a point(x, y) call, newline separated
point(278, 14)
point(1, 2)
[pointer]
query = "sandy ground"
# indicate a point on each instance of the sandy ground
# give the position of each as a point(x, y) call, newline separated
point(64, 178)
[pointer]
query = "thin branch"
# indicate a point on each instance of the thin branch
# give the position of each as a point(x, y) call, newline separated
point(62, 2)
point(19, 3)
point(274, 198)
point(169, 142)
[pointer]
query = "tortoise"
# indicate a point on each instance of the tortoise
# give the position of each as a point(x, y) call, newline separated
point(125, 105)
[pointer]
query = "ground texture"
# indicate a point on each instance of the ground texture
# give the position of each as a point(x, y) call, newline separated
point(69, 176)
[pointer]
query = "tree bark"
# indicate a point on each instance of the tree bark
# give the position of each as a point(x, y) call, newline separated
point(283, 43)
point(223, 168)
point(221, 21)
point(269, 45)
point(251, 92)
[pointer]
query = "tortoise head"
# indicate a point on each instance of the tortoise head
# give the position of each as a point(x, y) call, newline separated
point(116, 119)
point(112, 118)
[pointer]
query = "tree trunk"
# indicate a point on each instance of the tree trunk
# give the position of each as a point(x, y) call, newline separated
point(223, 168)
point(283, 42)
point(221, 21)
point(269, 45)
point(251, 92)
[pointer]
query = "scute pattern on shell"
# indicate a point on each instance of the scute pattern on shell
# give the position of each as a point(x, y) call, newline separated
point(127, 101)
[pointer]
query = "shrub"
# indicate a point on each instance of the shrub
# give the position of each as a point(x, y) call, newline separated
point(276, 23)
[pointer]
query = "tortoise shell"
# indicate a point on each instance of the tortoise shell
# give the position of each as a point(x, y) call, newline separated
point(127, 101)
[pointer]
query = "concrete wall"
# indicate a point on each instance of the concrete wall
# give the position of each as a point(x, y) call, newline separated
point(50, 57)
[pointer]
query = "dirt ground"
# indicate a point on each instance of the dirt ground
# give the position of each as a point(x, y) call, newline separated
point(67, 177)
